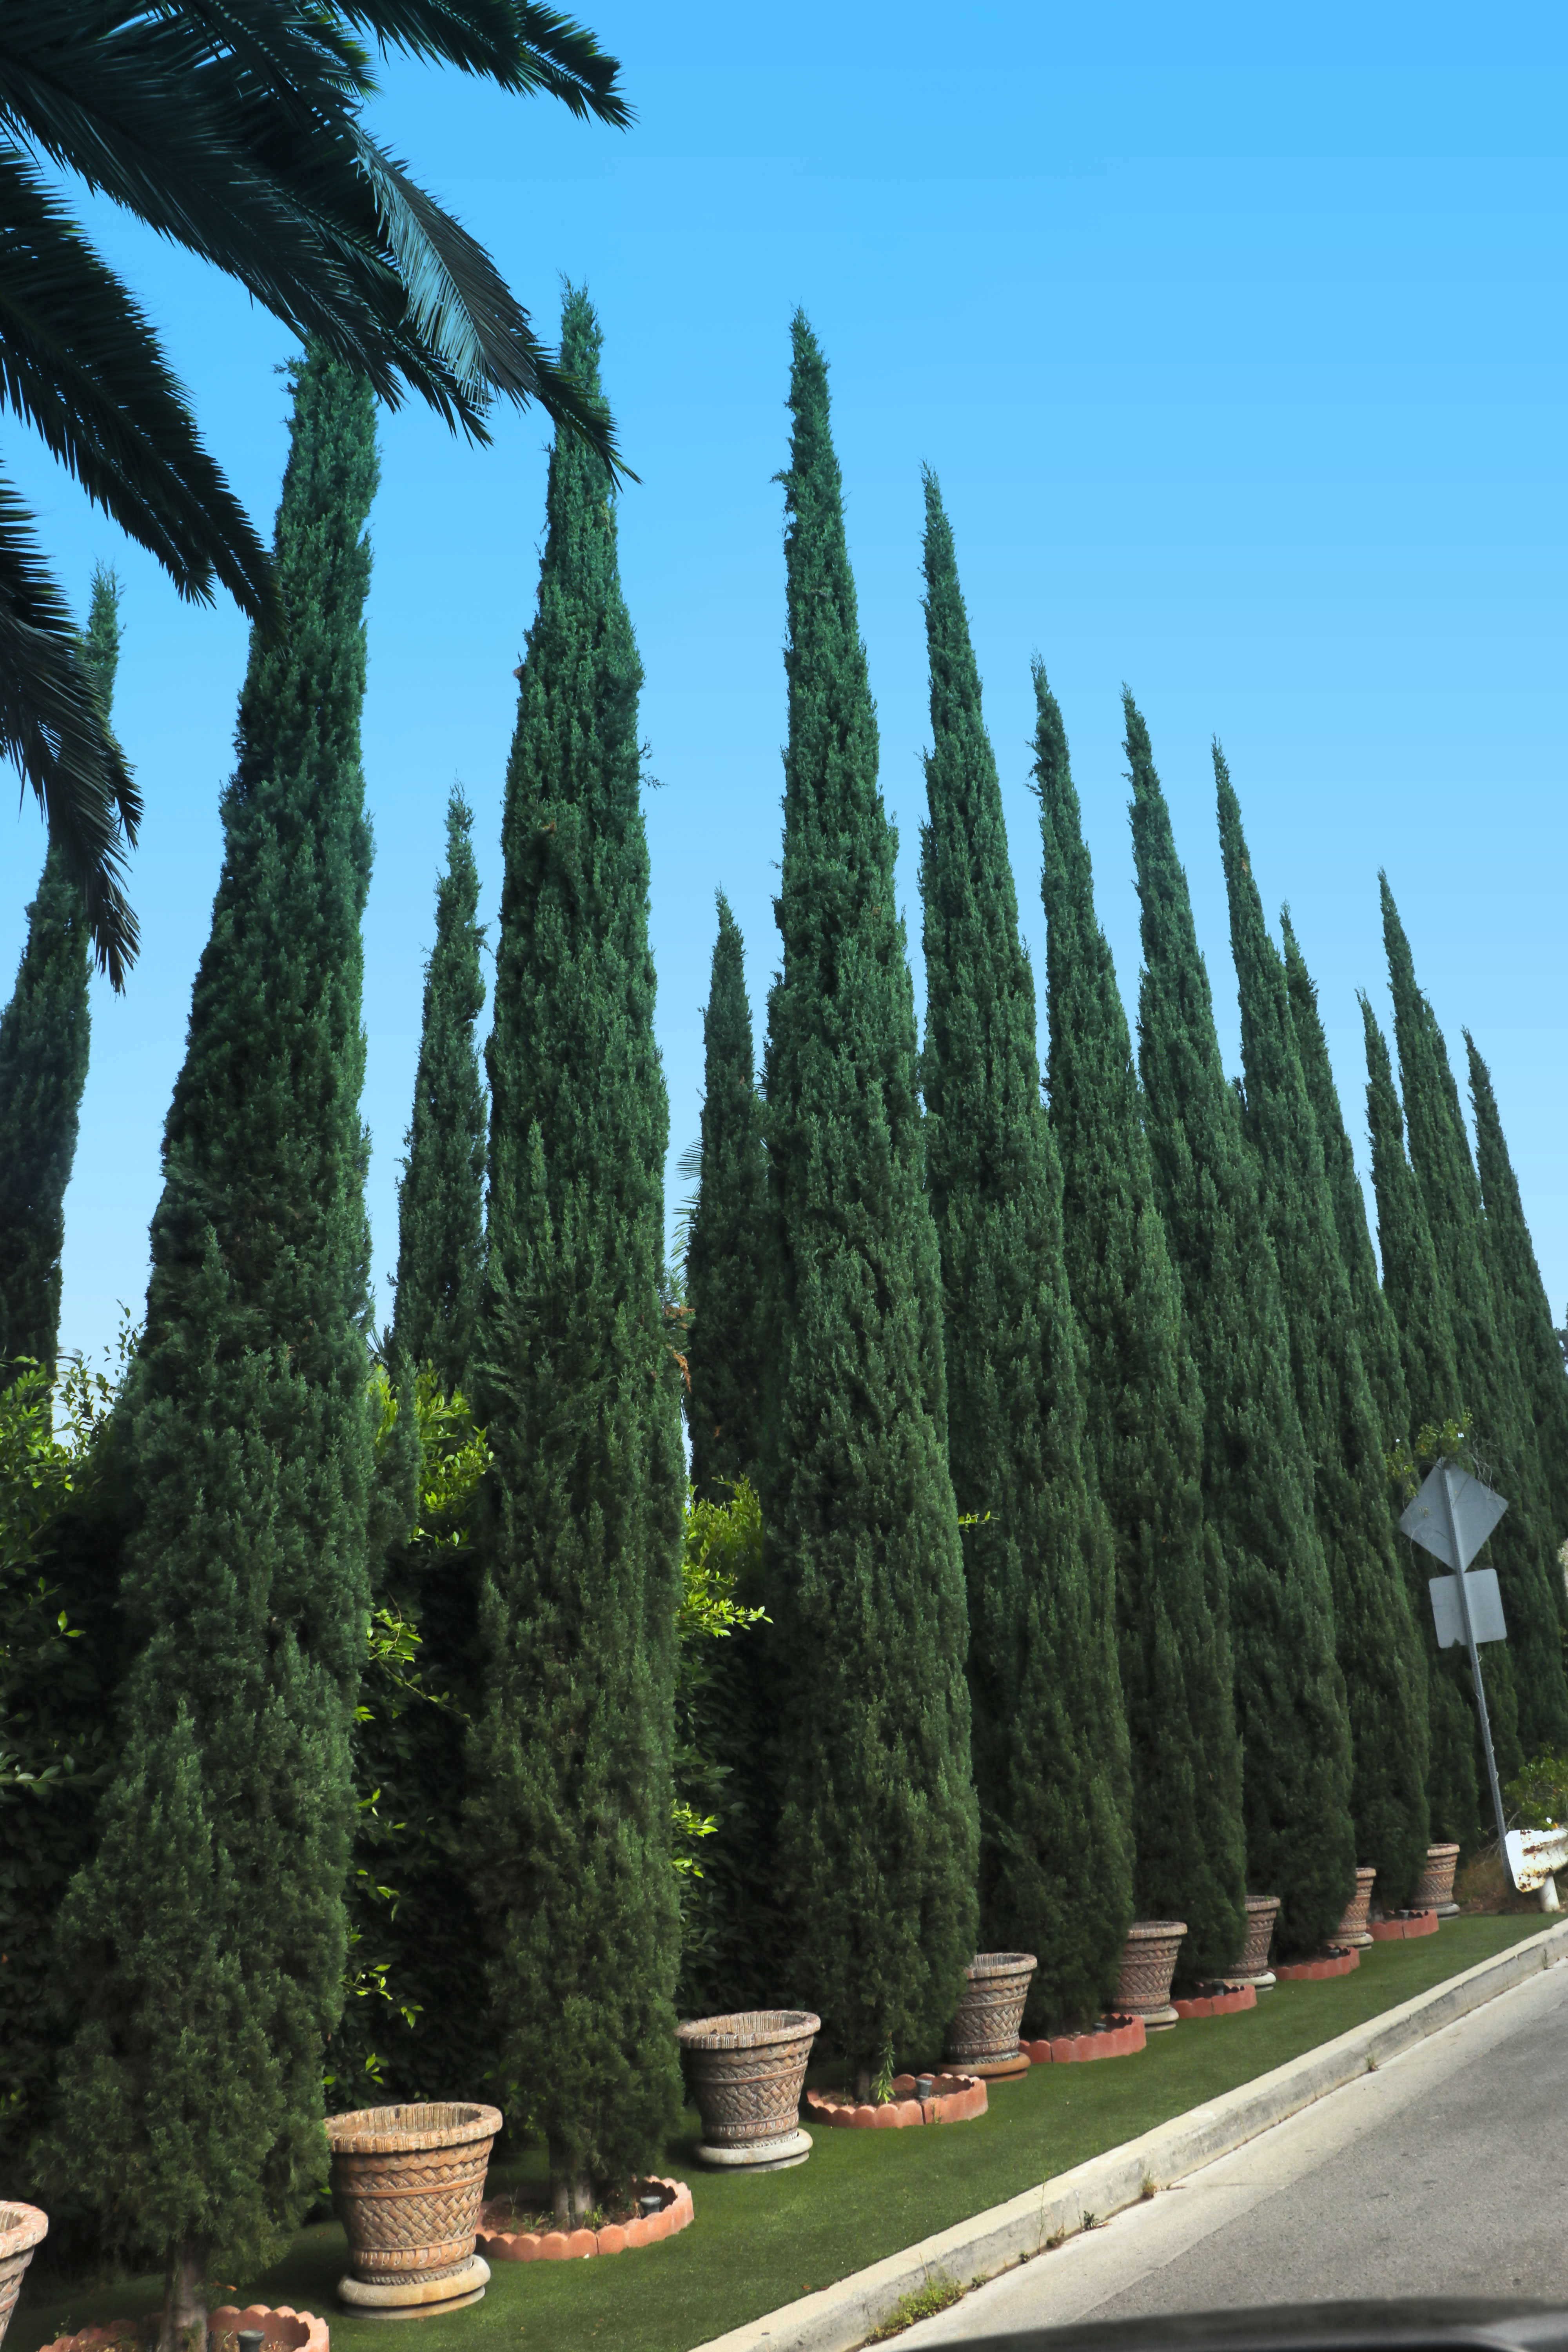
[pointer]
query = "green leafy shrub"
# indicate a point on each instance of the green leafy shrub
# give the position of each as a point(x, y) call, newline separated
point(1537, 1797)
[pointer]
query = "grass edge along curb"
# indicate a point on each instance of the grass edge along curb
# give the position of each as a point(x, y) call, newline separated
point(841, 2317)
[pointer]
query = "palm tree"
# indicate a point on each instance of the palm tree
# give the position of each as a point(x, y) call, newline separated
point(239, 134)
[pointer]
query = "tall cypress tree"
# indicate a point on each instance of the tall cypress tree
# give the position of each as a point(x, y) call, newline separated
point(1375, 1321)
point(876, 1834)
point(1377, 1639)
point(726, 1357)
point(580, 1523)
point(1521, 1297)
point(1145, 1412)
point(1488, 1366)
point(204, 1945)
point(1258, 1473)
point(1430, 1369)
point(440, 1200)
point(1051, 1763)
point(44, 1039)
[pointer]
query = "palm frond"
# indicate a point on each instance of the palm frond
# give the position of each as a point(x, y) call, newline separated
point(238, 134)
point(52, 727)
point(80, 362)
point(522, 47)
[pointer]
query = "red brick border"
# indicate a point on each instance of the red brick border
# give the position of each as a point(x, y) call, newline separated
point(226, 2321)
point(1064, 2049)
point(576, 2245)
point(903, 2108)
point(1327, 1964)
point(1399, 1931)
point(1218, 2004)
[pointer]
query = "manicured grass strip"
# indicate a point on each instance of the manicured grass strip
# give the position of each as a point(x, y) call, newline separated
point(760, 2243)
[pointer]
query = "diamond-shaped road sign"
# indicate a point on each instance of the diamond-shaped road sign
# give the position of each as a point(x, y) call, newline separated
point(1476, 1511)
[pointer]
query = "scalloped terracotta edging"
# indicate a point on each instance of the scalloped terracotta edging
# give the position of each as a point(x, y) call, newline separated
point(1217, 2004)
point(304, 2331)
point(1400, 1931)
point(1067, 2049)
point(577, 2245)
point(903, 2109)
point(1326, 1964)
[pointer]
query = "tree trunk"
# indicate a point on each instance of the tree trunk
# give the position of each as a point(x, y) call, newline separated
point(184, 2326)
point(560, 2185)
point(581, 2198)
point(863, 2084)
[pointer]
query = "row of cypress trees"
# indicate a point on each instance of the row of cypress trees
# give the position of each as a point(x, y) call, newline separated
point(1199, 1658)
point(1082, 1597)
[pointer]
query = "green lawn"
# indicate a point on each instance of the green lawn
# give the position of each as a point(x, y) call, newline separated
point(759, 2242)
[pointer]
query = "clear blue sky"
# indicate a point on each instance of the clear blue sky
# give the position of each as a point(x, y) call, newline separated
point(1236, 339)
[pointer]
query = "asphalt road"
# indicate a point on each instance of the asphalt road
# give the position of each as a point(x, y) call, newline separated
point(1445, 2172)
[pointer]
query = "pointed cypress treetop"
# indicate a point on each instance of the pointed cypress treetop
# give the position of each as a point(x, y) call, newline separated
point(1144, 1418)
point(206, 1945)
point(1489, 1369)
point(1376, 1326)
point(440, 1201)
point(44, 1034)
point(725, 1349)
point(1051, 1761)
point(1377, 1639)
point(1417, 1297)
point(579, 1521)
point(877, 1829)
point(1516, 1280)
point(1258, 1473)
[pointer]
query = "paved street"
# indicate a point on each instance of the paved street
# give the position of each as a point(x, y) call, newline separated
point(1444, 2173)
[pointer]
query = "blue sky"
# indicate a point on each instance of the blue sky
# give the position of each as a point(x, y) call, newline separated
point(1236, 340)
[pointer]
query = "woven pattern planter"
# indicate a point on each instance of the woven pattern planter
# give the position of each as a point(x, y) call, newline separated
point(22, 2227)
point(1434, 1887)
point(407, 2183)
point(984, 2036)
point(1252, 1967)
point(1353, 1927)
point(1148, 1964)
point(747, 2071)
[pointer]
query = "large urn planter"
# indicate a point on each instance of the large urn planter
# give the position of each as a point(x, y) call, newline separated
point(983, 2039)
point(22, 2227)
point(1252, 1967)
point(407, 2184)
point(1352, 1928)
point(1148, 1964)
point(747, 2071)
point(1434, 1887)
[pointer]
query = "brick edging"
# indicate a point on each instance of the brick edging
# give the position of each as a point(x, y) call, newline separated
point(839, 2318)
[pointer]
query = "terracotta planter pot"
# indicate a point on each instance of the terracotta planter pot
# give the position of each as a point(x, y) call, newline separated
point(747, 2071)
point(22, 2227)
point(1434, 1887)
point(1148, 1964)
point(1352, 1928)
point(1252, 1967)
point(407, 2183)
point(984, 2036)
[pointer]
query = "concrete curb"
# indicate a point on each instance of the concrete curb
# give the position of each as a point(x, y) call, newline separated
point(839, 2318)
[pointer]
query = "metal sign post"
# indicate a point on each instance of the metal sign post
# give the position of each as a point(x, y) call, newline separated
point(1466, 1620)
point(1453, 1516)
